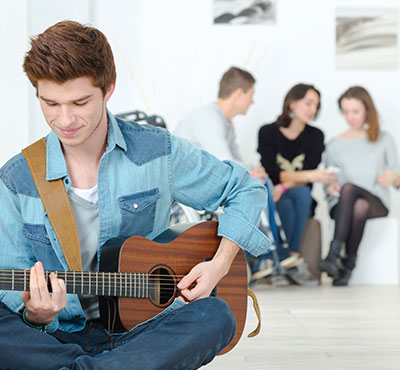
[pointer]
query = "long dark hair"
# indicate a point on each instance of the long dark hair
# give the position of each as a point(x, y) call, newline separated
point(297, 92)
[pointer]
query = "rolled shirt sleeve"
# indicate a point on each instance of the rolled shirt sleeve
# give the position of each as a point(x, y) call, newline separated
point(201, 181)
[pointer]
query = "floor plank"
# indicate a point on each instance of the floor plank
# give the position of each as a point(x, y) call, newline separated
point(325, 327)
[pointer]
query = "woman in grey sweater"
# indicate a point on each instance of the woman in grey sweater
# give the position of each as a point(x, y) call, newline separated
point(367, 164)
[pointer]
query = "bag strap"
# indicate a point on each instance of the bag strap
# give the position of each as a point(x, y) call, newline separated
point(257, 310)
point(56, 203)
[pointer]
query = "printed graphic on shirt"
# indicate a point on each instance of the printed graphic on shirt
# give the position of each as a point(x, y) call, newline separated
point(295, 165)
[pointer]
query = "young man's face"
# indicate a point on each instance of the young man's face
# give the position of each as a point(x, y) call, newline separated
point(245, 99)
point(75, 110)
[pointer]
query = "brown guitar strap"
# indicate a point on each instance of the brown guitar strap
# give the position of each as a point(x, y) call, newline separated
point(56, 203)
point(257, 310)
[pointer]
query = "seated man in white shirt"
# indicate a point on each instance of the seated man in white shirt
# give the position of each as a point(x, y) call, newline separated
point(210, 128)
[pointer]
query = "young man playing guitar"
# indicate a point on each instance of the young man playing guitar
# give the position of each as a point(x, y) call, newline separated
point(121, 179)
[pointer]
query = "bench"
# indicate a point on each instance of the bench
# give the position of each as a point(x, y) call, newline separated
point(378, 254)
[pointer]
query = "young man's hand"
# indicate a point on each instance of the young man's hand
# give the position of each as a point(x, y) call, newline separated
point(42, 307)
point(206, 275)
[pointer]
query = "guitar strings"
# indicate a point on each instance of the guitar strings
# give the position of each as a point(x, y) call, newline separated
point(106, 284)
point(99, 280)
point(124, 288)
point(60, 276)
point(106, 280)
point(86, 274)
point(109, 287)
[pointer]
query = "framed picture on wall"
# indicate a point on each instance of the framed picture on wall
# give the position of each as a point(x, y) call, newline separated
point(366, 38)
point(244, 12)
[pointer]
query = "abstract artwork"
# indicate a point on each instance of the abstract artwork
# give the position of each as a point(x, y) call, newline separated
point(366, 38)
point(244, 11)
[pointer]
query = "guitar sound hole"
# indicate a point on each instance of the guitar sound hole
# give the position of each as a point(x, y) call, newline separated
point(162, 286)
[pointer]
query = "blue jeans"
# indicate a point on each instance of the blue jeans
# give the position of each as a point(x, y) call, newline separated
point(294, 211)
point(270, 211)
point(187, 338)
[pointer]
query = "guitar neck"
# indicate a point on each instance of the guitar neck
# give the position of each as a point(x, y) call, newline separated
point(113, 284)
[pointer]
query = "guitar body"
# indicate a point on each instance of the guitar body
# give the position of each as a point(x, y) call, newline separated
point(166, 262)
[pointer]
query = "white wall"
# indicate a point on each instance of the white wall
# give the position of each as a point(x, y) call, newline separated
point(41, 15)
point(22, 121)
point(13, 92)
point(170, 57)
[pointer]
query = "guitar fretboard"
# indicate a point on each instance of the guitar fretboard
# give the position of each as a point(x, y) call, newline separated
point(112, 284)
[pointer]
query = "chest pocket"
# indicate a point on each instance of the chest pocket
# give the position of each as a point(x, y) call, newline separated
point(138, 212)
point(41, 246)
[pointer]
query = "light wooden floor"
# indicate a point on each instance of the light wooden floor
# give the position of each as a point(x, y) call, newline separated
point(356, 327)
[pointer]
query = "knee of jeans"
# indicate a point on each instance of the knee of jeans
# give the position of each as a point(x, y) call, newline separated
point(220, 317)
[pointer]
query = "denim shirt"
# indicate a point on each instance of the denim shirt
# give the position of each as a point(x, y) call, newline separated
point(142, 172)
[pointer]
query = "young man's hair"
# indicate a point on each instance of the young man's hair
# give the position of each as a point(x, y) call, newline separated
point(371, 118)
point(297, 92)
point(235, 78)
point(69, 50)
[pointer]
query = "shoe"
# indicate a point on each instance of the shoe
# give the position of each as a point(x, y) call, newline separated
point(291, 261)
point(343, 277)
point(301, 275)
point(330, 263)
point(279, 280)
point(260, 268)
point(348, 264)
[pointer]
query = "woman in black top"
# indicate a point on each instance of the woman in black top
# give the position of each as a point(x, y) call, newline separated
point(290, 152)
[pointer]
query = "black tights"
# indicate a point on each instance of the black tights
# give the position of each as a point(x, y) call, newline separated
point(355, 206)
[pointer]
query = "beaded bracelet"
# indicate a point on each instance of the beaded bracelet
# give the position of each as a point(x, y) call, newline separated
point(41, 327)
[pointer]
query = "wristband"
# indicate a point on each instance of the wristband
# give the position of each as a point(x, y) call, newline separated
point(284, 189)
point(41, 327)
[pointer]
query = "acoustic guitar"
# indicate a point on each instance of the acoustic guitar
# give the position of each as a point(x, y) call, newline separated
point(138, 276)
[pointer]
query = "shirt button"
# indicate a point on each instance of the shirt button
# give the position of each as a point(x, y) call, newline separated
point(67, 181)
point(135, 205)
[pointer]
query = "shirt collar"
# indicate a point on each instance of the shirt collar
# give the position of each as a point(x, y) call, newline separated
point(56, 166)
point(115, 137)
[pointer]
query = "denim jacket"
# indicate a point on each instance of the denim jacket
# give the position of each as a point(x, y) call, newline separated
point(142, 172)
